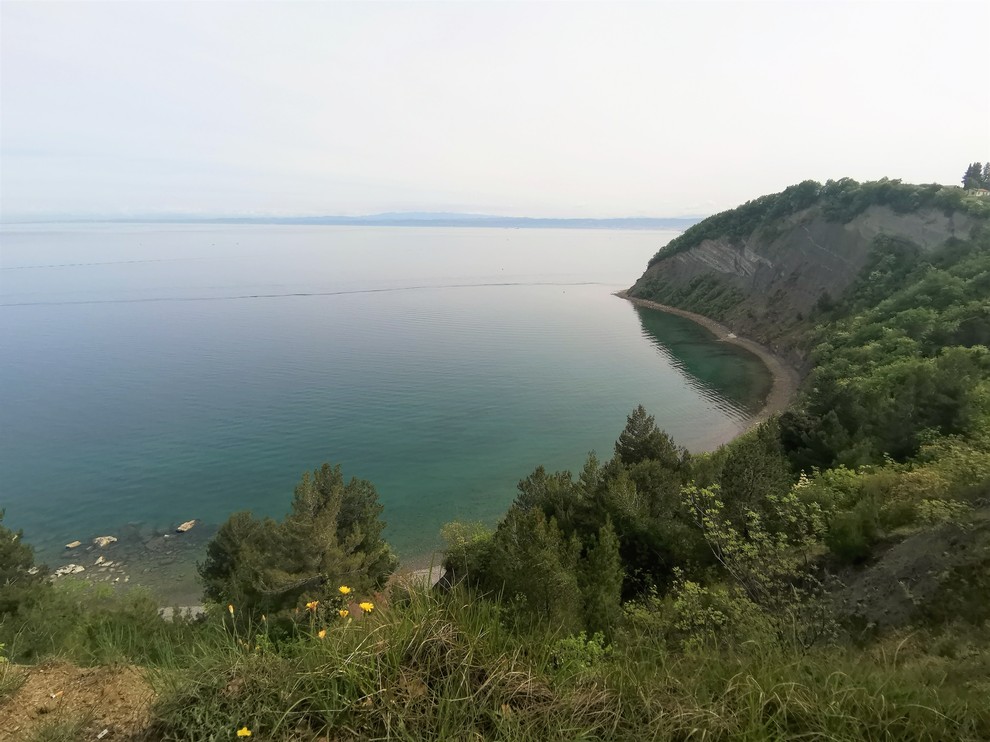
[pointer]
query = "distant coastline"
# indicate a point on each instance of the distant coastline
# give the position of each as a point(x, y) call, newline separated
point(414, 219)
point(785, 378)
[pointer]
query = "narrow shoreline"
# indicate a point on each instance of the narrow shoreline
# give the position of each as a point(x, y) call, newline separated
point(785, 378)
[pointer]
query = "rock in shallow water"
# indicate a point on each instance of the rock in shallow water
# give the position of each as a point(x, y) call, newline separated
point(104, 541)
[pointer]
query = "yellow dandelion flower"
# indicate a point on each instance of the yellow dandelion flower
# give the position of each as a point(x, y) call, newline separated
point(311, 605)
point(244, 731)
point(230, 607)
point(344, 590)
point(322, 633)
point(344, 613)
point(366, 607)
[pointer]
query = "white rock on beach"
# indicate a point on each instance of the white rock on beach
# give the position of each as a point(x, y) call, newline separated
point(104, 541)
point(186, 526)
point(69, 569)
point(73, 544)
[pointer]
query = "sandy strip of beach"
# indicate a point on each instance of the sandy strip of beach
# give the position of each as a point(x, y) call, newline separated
point(785, 377)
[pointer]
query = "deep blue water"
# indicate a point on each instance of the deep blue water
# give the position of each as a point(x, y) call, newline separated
point(154, 373)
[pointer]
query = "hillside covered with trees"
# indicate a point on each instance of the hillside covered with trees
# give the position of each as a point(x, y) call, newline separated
point(823, 576)
point(770, 268)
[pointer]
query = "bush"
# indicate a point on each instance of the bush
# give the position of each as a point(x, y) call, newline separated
point(468, 547)
point(92, 624)
point(21, 582)
point(851, 534)
point(332, 536)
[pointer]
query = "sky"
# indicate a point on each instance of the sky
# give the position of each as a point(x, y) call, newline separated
point(562, 109)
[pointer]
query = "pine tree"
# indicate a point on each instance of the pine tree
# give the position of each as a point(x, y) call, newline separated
point(531, 559)
point(601, 583)
point(332, 536)
point(973, 177)
point(642, 440)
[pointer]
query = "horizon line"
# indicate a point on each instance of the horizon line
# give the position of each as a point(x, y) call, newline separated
point(381, 218)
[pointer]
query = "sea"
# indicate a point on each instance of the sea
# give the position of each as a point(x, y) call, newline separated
point(152, 374)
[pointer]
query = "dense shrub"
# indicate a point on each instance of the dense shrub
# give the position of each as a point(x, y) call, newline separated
point(331, 537)
point(21, 582)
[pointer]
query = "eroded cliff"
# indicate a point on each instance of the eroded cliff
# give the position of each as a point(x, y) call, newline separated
point(769, 281)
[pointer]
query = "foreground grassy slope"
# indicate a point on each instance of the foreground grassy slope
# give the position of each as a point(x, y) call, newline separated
point(456, 667)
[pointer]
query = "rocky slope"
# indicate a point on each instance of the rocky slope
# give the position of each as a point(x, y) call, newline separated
point(767, 282)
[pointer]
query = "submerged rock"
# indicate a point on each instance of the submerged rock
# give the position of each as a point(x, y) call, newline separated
point(104, 541)
point(73, 544)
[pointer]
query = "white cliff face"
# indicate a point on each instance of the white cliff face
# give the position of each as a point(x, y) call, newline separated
point(776, 275)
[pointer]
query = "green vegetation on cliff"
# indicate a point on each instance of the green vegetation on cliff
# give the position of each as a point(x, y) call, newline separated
point(901, 361)
point(777, 266)
point(823, 576)
point(840, 201)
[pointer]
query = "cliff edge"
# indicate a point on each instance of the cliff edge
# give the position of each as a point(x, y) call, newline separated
point(768, 267)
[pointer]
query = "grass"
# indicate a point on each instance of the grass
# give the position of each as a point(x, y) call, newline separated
point(450, 669)
point(453, 667)
point(11, 678)
point(431, 669)
point(61, 729)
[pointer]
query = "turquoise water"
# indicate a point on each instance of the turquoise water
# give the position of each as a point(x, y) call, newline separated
point(151, 374)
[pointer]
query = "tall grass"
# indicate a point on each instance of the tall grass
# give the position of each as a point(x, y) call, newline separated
point(441, 669)
point(11, 678)
point(93, 625)
point(453, 667)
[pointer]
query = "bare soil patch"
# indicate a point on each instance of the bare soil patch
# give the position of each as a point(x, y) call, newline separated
point(112, 698)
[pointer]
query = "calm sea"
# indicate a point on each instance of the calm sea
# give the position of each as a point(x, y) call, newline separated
point(150, 374)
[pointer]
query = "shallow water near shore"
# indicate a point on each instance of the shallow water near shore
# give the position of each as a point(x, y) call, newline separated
point(150, 374)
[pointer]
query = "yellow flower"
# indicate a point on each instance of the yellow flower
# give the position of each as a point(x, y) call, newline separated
point(322, 633)
point(311, 605)
point(366, 607)
point(244, 731)
point(344, 590)
point(344, 613)
point(230, 607)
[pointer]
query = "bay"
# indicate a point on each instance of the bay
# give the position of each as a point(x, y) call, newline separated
point(152, 373)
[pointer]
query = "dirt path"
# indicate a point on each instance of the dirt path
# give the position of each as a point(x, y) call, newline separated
point(785, 378)
point(59, 698)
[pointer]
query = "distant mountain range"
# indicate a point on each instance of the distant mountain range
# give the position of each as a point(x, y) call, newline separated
point(419, 219)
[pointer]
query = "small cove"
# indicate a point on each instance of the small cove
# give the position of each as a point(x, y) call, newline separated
point(156, 373)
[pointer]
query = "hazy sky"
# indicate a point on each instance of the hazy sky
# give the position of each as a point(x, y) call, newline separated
point(526, 108)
